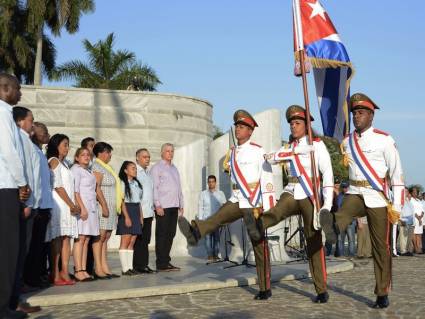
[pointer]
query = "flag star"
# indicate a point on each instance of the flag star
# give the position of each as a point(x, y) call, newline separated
point(317, 10)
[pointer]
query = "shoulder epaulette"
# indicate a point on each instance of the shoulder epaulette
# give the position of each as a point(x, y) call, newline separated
point(375, 130)
point(316, 139)
point(252, 143)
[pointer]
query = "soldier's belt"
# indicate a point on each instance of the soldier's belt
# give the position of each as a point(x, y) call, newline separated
point(363, 183)
point(250, 185)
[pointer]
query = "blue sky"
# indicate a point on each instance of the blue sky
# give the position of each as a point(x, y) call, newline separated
point(239, 54)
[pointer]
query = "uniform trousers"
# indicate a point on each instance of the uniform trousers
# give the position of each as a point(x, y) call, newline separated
point(9, 243)
point(353, 206)
point(227, 214)
point(287, 206)
point(164, 234)
point(141, 247)
point(364, 245)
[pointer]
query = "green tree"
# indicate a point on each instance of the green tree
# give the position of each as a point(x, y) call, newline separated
point(217, 132)
point(56, 14)
point(107, 69)
point(18, 46)
point(333, 146)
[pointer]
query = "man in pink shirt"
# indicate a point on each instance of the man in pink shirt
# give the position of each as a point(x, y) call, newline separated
point(168, 201)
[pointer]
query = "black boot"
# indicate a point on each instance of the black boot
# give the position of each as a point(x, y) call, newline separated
point(190, 231)
point(327, 224)
point(251, 226)
point(381, 302)
point(322, 298)
point(263, 295)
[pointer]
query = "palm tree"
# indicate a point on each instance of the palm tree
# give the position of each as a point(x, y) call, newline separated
point(108, 69)
point(18, 46)
point(56, 14)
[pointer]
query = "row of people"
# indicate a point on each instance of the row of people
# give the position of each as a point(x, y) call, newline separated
point(44, 198)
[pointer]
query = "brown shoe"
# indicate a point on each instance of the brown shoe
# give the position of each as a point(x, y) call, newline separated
point(27, 308)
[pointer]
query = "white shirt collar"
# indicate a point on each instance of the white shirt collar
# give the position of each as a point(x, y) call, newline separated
point(244, 144)
point(6, 105)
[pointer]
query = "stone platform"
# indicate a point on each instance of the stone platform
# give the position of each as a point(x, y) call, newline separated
point(194, 276)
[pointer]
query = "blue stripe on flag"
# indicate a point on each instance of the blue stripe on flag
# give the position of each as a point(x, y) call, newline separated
point(329, 105)
point(327, 49)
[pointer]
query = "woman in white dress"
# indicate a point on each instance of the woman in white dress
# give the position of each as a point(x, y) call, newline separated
point(63, 223)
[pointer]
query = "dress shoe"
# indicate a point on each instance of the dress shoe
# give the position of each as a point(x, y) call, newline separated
point(381, 302)
point(127, 273)
point(173, 268)
point(134, 272)
point(328, 227)
point(13, 314)
point(97, 277)
point(189, 230)
point(322, 298)
point(263, 295)
point(27, 308)
point(146, 270)
point(113, 276)
point(408, 254)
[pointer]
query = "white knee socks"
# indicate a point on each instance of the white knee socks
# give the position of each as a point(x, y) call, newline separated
point(126, 259)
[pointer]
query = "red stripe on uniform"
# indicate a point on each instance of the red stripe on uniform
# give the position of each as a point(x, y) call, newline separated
point(365, 161)
point(322, 259)
point(387, 242)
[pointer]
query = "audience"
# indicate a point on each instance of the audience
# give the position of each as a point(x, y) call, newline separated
point(168, 201)
point(88, 220)
point(351, 229)
point(36, 260)
point(418, 211)
point(63, 223)
point(14, 190)
point(131, 218)
point(405, 237)
point(108, 192)
point(364, 245)
point(210, 200)
point(141, 249)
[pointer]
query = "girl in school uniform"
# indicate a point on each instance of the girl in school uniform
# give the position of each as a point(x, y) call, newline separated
point(130, 220)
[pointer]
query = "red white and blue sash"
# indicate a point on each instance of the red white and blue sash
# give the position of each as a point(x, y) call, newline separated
point(361, 161)
point(253, 196)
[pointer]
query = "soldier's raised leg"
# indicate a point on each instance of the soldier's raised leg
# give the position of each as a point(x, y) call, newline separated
point(194, 231)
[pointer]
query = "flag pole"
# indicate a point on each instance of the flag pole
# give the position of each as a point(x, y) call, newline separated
point(301, 52)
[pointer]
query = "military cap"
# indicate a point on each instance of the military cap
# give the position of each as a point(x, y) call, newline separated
point(243, 117)
point(362, 101)
point(296, 112)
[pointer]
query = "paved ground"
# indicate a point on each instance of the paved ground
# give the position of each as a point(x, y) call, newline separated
point(351, 294)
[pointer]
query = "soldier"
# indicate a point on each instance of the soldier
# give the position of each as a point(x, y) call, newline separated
point(297, 196)
point(247, 172)
point(372, 158)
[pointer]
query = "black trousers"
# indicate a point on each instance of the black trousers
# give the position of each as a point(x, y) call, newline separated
point(36, 260)
point(141, 251)
point(24, 233)
point(164, 234)
point(9, 243)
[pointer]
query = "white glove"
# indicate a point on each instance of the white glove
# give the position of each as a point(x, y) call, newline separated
point(303, 149)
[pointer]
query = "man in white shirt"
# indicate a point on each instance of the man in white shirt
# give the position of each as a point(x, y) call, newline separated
point(405, 237)
point(35, 263)
point(141, 247)
point(210, 201)
point(13, 189)
point(24, 120)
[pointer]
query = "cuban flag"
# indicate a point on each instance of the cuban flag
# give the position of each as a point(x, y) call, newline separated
point(316, 35)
